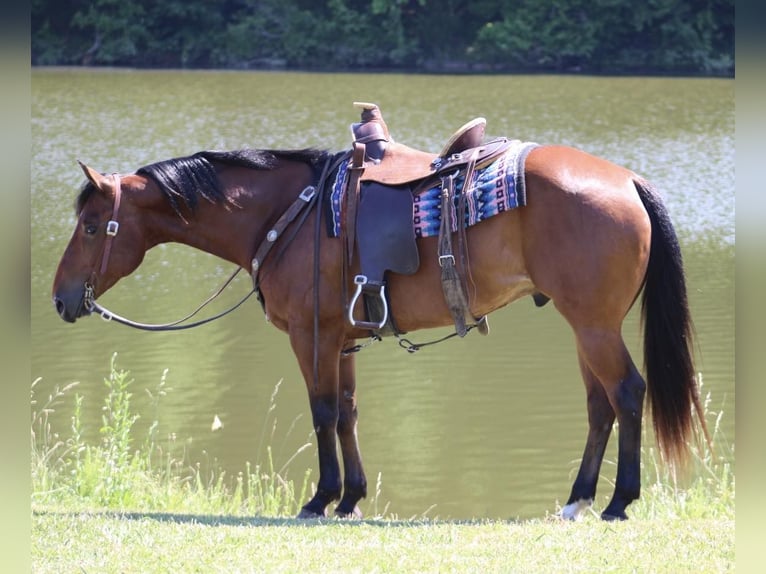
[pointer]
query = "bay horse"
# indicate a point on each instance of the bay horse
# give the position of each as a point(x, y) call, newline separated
point(591, 238)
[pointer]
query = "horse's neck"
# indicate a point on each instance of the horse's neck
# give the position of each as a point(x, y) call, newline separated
point(216, 229)
point(229, 231)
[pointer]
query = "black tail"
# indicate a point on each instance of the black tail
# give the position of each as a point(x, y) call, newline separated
point(668, 336)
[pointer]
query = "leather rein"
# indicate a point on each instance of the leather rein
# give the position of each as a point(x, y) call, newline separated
point(306, 199)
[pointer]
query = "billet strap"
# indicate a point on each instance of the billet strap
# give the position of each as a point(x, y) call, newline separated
point(352, 191)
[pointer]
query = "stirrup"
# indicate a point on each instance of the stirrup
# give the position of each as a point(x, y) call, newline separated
point(360, 281)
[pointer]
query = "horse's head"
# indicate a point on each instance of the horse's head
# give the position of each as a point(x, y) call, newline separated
point(108, 242)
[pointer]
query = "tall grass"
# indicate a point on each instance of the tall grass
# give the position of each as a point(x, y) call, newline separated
point(705, 489)
point(118, 473)
point(121, 472)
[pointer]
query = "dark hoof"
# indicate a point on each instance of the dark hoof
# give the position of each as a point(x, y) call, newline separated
point(613, 517)
point(307, 514)
point(355, 514)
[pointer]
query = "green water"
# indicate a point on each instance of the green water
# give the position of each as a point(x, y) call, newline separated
point(481, 427)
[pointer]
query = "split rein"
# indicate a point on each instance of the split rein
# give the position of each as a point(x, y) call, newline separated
point(107, 315)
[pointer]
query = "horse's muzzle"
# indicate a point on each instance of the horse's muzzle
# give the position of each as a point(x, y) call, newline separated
point(70, 306)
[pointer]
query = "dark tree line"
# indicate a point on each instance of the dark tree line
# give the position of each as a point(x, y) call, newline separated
point(592, 36)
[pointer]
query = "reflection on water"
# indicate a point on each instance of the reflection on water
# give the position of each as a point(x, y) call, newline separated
point(485, 426)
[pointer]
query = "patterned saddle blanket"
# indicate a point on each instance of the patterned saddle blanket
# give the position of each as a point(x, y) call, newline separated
point(493, 189)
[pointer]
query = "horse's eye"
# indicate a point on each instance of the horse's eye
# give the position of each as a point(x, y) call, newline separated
point(91, 229)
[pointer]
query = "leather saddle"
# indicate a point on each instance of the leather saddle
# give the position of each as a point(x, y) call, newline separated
point(383, 177)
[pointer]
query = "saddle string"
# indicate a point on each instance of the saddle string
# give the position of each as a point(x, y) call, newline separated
point(468, 184)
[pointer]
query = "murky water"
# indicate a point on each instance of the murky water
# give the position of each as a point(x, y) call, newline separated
point(481, 427)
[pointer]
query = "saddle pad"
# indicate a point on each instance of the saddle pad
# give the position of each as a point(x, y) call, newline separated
point(494, 189)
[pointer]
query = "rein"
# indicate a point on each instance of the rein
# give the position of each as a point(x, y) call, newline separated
point(107, 315)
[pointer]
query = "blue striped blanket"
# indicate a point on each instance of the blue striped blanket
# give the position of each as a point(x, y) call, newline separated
point(493, 189)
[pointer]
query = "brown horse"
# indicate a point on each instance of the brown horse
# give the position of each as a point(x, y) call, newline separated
point(590, 237)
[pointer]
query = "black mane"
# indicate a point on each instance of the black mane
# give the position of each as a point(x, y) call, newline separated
point(194, 176)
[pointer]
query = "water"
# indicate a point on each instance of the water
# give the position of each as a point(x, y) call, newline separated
point(481, 427)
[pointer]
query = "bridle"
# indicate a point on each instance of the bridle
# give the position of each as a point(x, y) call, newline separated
point(309, 197)
point(89, 300)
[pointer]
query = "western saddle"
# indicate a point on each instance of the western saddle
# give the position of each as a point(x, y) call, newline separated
point(383, 176)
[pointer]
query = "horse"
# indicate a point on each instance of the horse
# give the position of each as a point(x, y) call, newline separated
point(592, 238)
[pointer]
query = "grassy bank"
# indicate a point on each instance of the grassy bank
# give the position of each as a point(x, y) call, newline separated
point(128, 504)
point(82, 542)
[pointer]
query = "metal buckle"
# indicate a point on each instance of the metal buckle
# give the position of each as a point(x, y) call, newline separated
point(88, 299)
point(443, 258)
point(112, 227)
point(308, 193)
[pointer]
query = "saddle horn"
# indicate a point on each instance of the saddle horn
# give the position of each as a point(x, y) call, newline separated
point(372, 131)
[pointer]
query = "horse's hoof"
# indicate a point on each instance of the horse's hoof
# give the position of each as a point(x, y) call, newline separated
point(613, 517)
point(355, 514)
point(307, 514)
point(575, 510)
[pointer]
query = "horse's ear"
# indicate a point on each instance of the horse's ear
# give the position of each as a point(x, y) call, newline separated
point(94, 177)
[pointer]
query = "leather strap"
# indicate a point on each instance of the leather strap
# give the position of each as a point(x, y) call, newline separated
point(303, 201)
point(453, 292)
point(112, 226)
point(356, 170)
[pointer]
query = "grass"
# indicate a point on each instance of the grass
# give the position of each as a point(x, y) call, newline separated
point(76, 542)
point(115, 474)
point(126, 504)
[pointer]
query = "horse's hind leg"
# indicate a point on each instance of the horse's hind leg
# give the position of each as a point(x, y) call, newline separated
point(606, 356)
point(354, 482)
point(600, 420)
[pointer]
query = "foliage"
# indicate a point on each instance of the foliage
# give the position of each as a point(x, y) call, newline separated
point(117, 506)
point(608, 36)
point(115, 474)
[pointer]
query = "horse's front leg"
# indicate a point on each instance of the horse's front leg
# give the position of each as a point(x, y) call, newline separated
point(323, 398)
point(355, 482)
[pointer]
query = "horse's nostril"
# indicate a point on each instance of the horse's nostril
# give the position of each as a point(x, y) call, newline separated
point(60, 308)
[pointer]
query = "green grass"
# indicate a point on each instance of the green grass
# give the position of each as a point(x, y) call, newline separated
point(131, 504)
point(82, 542)
point(121, 473)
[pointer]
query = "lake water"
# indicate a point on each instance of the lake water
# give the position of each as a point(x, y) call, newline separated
point(480, 427)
